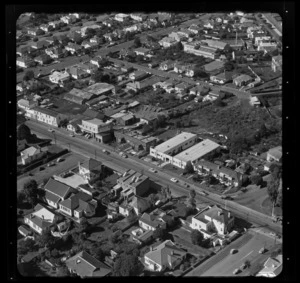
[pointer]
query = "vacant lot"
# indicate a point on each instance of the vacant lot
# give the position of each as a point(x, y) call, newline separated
point(70, 161)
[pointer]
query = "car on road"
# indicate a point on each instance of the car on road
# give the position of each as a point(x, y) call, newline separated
point(236, 271)
point(262, 250)
point(105, 151)
point(272, 234)
point(226, 197)
point(174, 180)
point(186, 185)
point(203, 193)
point(152, 170)
point(51, 130)
point(243, 266)
point(233, 251)
point(124, 155)
point(59, 160)
point(71, 135)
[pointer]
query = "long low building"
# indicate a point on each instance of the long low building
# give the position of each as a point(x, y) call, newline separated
point(173, 146)
point(194, 153)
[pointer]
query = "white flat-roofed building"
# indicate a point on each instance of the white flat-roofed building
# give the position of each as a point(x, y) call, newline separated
point(120, 17)
point(173, 146)
point(194, 153)
point(95, 126)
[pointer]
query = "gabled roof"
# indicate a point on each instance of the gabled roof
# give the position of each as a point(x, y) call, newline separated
point(93, 114)
point(86, 265)
point(91, 164)
point(160, 254)
point(73, 201)
point(57, 188)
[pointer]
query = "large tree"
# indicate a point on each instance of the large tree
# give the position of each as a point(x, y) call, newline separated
point(159, 233)
point(26, 246)
point(197, 237)
point(46, 239)
point(137, 42)
point(189, 168)
point(126, 265)
point(31, 191)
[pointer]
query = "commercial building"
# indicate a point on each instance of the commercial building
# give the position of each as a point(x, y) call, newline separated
point(79, 96)
point(47, 116)
point(199, 50)
point(134, 183)
point(136, 140)
point(194, 153)
point(173, 146)
point(95, 126)
point(59, 77)
point(100, 89)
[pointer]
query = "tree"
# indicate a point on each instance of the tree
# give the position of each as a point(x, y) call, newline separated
point(276, 170)
point(189, 168)
point(219, 103)
point(26, 246)
point(272, 190)
point(256, 180)
point(192, 203)
point(137, 42)
point(196, 237)
point(63, 271)
point(23, 132)
point(159, 233)
point(35, 39)
point(28, 75)
point(146, 129)
point(31, 191)
point(192, 193)
point(229, 66)
point(46, 239)
point(126, 265)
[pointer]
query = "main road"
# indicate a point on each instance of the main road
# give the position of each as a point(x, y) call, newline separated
point(93, 149)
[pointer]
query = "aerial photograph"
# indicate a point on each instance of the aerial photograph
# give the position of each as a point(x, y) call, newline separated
point(149, 144)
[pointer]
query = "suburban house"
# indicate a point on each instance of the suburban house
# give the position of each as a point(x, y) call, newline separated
point(40, 219)
point(212, 95)
point(138, 75)
point(42, 59)
point(142, 51)
point(223, 174)
point(47, 116)
point(138, 17)
point(166, 255)
point(140, 204)
point(78, 206)
point(242, 80)
point(272, 267)
point(222, 78)
point(79, 96)
point(76, 72)
point(133, 183)
point(90, 168)
point(167, 42)
point(31, 154)
point(141, 236)
point(166, 65)
point(35, 31)
point(46, 27)
point(54, 52)
point(25, 62)
point(59, 77)
point(177, 36)
point(70, 19)
point(55, 24)
point(213, 220)
point(73, 47)
point(26, 104)
point(73, 125)
point(56, 192)
point(199, 90)
point(40, 44)
point(274, 154)
point(85, 265)
point(153, 220)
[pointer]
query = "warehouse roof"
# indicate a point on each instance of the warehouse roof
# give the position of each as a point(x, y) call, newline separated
point(175, 141)
point(197, 151)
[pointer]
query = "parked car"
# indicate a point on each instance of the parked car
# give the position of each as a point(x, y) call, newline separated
point(233, 251)
point(51, 130)
point(236, 271)
point(174, 180)
point(152, 170)
point(262, 250)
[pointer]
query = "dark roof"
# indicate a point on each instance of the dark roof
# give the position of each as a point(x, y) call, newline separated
point(52, 197)
point(91, 164)
point(57, 188)
point(45, 111)
point(73, 202)
point(93, 114)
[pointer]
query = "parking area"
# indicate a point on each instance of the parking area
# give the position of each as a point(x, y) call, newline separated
point(247, 251)
point(70, 160)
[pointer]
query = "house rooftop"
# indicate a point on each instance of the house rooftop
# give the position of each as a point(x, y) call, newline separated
point(57, 188)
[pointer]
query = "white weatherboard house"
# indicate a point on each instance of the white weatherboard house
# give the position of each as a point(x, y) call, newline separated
point(169, 148)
